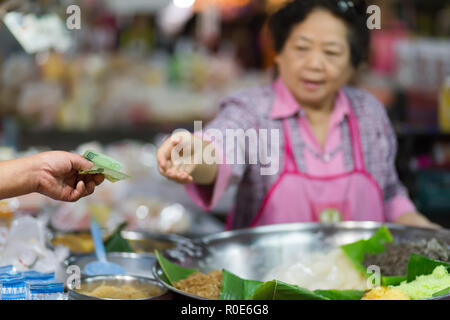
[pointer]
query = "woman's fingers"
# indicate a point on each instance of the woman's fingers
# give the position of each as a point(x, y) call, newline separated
point(169, 165)
point(434, 226)
point(179, 176)
point(165, 151)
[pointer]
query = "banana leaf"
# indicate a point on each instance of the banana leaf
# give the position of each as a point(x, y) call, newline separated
point(419, 265)
point(172, 271)
point(115, 242)
point(341, 294)
point(442, 292)
point(392, 281)
point(375, 244)
point(277, 290)
point(235, 288)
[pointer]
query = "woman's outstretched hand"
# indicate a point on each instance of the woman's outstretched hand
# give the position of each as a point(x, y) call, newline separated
point(175, 169)
point(176, 160)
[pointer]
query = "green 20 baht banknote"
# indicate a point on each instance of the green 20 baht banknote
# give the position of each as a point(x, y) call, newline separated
point(104, 165)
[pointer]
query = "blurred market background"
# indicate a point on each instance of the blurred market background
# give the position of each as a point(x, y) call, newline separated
point(138, 69)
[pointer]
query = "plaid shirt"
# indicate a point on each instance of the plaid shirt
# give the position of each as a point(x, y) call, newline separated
point(251, 108)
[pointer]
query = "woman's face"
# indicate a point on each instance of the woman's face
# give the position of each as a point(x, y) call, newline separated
point(315, 61)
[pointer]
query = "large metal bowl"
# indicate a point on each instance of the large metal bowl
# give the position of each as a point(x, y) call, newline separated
point(90, 283)
point(251, 253)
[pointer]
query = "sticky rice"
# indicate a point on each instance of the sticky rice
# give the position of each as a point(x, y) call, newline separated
point(323, 271)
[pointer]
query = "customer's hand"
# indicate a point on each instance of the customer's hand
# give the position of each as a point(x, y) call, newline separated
point(415, 219)
point(58, 176)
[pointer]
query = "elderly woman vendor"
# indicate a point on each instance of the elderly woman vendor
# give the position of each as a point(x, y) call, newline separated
point(336, 145)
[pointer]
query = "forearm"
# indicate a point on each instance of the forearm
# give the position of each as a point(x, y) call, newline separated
point(205, 174)
point(18, 177)
point(416, 219)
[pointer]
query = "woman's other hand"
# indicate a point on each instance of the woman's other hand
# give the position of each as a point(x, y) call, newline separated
point(415, 219)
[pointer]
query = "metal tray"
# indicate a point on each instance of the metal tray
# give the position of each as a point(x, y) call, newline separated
point(251, 253)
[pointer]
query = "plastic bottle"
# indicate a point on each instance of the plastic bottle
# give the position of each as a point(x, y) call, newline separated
point(13, 287)
point(46, 291)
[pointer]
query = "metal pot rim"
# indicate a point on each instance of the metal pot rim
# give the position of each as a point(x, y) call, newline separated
point(133, 255)
point(344, 225)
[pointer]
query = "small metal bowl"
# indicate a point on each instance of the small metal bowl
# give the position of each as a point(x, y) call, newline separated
point(90, 283)
point(135, 264)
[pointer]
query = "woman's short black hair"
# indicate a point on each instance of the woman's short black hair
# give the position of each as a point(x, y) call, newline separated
point(352, 12)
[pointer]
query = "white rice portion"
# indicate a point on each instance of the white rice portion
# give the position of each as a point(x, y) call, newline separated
point(320, 271)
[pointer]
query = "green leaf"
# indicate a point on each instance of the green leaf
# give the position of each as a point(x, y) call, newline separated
point(277, 290)
point(341, 294)
point(172, 271)
point(115, 242)
point(235, 288)
point(419, 265)
point(442, 292)
point(376, 244)
point(392, 281)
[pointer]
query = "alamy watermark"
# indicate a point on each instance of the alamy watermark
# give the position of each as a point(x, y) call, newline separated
point(234, 146)
point(73, 281)
point(374, 20)
point(73, 21)
point(374, 280)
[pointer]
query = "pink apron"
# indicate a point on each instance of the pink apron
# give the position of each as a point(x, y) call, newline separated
point(300, 197)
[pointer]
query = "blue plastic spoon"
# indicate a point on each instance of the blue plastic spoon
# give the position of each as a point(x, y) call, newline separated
point(102, 266)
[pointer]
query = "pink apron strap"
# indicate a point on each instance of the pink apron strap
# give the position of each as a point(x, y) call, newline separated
point(290, 164)
point(355, 136)
point(358, 156)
